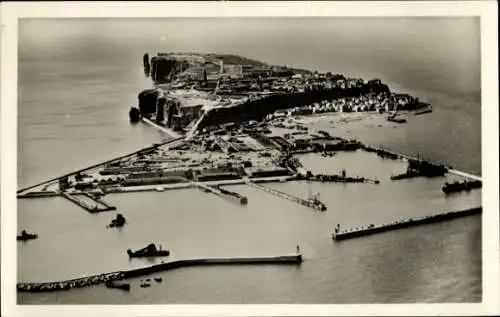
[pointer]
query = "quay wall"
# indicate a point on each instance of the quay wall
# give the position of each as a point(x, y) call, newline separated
point(120, 275)
point(407, 223)
point(98, 164)
point(172, 186)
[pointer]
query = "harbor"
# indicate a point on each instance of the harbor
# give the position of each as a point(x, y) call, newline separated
point(174, 188)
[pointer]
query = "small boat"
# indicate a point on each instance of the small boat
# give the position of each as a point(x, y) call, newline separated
point(148, 251)
point(392, 118)
point(118, 222)
point(122, 286)
point(24, 236)
point(145, 285)
point(423, 111)
point(396, 120)
point(158, 279)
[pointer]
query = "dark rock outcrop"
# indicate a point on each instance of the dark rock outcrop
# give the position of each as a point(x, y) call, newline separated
point(163, 68)
point(147, 101)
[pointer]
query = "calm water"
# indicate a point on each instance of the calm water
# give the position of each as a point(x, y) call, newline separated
point(77, 84)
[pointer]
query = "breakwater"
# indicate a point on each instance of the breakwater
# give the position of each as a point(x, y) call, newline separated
point(372, 229)
point(295, 259)
point(464, 174)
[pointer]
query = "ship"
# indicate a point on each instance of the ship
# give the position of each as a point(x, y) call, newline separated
point(118, 222)
point(460, 186)
point(24, 236)
point(314, 200)
point(148, 251)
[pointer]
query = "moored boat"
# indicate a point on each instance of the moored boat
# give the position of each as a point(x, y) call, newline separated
point(122, 286)
point(396, 120)
point(24, 236)
point(148, 251)
point(461, 186)
point(423, 111)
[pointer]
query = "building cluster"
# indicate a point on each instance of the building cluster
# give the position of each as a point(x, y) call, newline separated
point(211, 157)
point(380, 102)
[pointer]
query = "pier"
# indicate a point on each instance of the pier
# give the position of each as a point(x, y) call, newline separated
point(327, 178)
point(224, 193)
point(372, 229)
point(295, 259)
point(311, 203)
point(98, 206)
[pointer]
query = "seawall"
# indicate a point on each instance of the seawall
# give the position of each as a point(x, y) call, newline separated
point(343, 235)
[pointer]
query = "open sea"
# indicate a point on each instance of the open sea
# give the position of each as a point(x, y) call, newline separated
point(78, 79)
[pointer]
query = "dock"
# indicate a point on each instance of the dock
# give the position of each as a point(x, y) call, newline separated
point(314, 204)
point(97, 206)
point(371, 229)
point(295, 259)
point(223, 193)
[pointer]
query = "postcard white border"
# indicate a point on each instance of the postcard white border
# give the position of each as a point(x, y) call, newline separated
point(487, 10)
